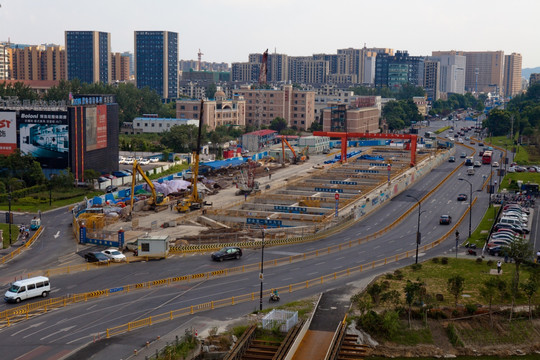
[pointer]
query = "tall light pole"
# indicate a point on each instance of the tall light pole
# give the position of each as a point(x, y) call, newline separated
point(470, 203)
point(261, 275)
point(9, 214)
point(418, 235)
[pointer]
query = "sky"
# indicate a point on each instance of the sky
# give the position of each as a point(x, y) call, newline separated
point(229, 30)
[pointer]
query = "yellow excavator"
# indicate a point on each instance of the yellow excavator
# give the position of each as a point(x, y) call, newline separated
point(157, 198)
point(194, 201)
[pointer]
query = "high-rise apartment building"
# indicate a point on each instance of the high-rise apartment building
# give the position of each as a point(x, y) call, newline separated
point(512, 74)
point(119, 67)
point(484, 70)
point(88, 56)
point(452, 70)
point(156, 62)
point(246, 72)
point(431, 79)
point(5, 61)
point(293, 105)
point(361, 62)
point(42, 62)
point(534, 78)
point(395, 71)
point(306, 70)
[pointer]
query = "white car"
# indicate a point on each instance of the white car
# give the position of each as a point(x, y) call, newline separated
point(495, 164)
point(114, 254)
point(154, 160)
point(144, 162)
point(129, 161)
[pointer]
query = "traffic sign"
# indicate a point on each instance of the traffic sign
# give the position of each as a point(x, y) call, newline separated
point(337, 196)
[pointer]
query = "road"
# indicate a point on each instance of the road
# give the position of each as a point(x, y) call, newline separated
point(62, 331)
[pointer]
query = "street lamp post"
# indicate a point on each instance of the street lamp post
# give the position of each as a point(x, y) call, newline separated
point(261, 276)
point(470, 203)
point(418, 235)
point(9, 214)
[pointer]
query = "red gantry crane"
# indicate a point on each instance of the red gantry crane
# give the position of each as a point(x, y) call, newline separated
point(344, 136)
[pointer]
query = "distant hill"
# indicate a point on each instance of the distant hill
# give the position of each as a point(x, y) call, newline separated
point(526, 73)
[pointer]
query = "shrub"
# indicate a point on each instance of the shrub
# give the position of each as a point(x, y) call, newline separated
point(239, 330)
point(444, 261)
point(398, 274)
point(435, 260)
point(389, 277)
point(453, 336)
point(490, 263)
point(416, 267)
point(455, 313)
point(471, 309)
point(479, 260)
point(385, 285)
point(437, 314)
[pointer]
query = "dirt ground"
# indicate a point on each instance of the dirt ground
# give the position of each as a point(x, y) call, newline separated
point(153, 222)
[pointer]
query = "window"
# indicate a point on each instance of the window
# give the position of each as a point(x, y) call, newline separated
point(182, 107)
point(39, 285)
point(31, 286)
point(160, 125)
point(145, 247)
point(195, 107)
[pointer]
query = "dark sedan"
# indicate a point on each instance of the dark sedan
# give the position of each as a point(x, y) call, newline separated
point(96, 257)
point(227, 253)
point(462, 197)
point(445, 220)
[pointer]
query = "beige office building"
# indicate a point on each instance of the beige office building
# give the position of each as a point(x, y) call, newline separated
point(119, 67)
point(297, 107)
point(535, 78)
point(512, 74)
point(341, 117)
point(5, 61)
point(39, 63)
point(484, 71)
point(217, 112)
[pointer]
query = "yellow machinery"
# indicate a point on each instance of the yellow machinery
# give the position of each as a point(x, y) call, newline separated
point(157, 198)
point(283, 143)
point(194, 201)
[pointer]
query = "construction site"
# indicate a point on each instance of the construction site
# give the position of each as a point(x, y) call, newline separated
point(287, 197)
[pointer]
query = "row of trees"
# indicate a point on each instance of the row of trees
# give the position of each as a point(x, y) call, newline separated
point(457, 101)
point(521, 115)
point(404, 92)
point(400, 114)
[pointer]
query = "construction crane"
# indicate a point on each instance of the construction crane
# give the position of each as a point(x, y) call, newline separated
point(199, 54)
point(194, 201)
point(157, 198)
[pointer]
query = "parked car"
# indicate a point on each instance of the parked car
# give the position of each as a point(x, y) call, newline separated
point(227, 253)
point(445, 220)
point(154, 160)
point(102, 179)
point(497, 250)
point(144, 162)
point(120, 173)
point(114, 254)
point(96, 257)
point(451, 159)
point(512, 227)
point(462, 197)
point(111, 189)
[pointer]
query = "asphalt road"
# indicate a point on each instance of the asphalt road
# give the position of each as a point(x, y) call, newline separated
point(63, 331)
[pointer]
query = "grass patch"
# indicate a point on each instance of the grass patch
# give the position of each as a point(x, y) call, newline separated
point(480, 234)
point(304, 308)
point(412, 337)
point(517, 332)
point(58, 197)
point(436, 274)
point(5, 234)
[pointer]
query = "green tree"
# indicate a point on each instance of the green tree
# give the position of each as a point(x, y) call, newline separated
point(498, 122)
point(63, 180)
point(520, 250)
point(455, 286)
point(211, 90)
point(488, 292)
point(315, 126)
point(530, 288)
point(411, 293)
point(278, 124)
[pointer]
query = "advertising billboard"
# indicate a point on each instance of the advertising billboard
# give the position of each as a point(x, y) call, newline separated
point(8, 132)
point(45, 136)
point(96, 127)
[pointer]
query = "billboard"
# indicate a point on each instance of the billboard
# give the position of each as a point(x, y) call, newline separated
point(8, 132)
point(45, 136)
point(96, 127)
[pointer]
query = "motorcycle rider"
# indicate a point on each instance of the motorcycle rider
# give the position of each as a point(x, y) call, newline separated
point(274, 294)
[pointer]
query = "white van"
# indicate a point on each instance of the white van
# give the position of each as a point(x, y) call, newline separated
point(511, 220)
point(470, 170)
point(28, 288)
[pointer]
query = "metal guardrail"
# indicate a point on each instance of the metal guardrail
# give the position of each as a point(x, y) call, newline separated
point(211, 305)
point(22, 248)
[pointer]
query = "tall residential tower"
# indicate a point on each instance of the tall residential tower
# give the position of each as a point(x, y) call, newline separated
point(156, 62)
point(88, 55)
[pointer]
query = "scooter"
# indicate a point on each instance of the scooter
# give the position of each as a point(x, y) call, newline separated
point(273, 298)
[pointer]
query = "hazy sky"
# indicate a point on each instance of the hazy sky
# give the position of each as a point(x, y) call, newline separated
point(229, 30)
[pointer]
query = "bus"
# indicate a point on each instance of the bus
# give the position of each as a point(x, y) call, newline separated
point(486, 157)
point(430, 135)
